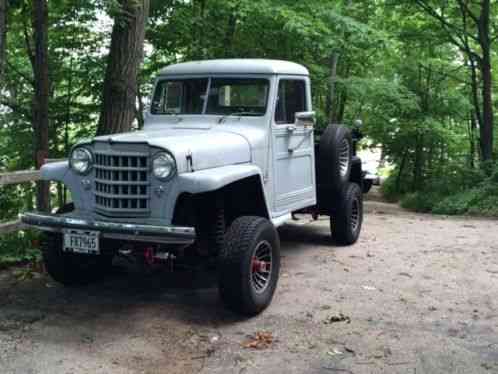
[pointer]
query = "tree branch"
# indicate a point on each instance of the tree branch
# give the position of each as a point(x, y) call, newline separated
point(448, 26)
point(464, 8)
point(23, 75)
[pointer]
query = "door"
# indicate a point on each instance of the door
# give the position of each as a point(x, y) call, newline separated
point(293, 148)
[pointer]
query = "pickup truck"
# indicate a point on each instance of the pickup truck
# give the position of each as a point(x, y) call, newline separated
point(228, 154)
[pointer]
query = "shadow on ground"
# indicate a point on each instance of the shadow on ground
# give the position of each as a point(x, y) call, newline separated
point(189, 295)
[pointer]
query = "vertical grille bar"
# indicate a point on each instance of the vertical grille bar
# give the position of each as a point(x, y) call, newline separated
point(121, 185)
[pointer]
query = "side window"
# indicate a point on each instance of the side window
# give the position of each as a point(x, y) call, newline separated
point(291, 99)
point(173, 97)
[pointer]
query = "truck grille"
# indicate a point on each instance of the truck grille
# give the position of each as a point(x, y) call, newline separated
point(122, 184)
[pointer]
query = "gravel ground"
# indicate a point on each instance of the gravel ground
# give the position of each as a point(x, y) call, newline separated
point(417, 294)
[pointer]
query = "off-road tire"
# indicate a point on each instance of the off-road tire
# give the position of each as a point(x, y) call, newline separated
point(332, 144)
point(345, 228)
point(367, 185)
point(71, 269)
point(211, 226)
point(236, 286)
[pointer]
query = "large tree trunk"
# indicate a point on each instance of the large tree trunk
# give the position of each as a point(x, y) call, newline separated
point(125, 57)
point(40, 102)
point(3, 38)
point(486, 130)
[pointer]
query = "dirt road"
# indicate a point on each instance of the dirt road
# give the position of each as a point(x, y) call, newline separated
point(417, 294)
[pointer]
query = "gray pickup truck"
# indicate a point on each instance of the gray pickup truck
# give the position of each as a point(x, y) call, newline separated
point(228, 153)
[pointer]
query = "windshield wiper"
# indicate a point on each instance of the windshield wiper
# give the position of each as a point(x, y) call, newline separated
point(175, 116)
point(237, 114)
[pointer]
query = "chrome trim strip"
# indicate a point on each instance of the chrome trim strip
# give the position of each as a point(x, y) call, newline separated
point(160, 234)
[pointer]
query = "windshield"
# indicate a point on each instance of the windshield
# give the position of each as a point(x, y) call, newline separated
point(226, 96)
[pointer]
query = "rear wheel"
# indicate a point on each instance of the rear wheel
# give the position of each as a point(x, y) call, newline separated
point(249, 265)
point(367, 185)
point(346, 217)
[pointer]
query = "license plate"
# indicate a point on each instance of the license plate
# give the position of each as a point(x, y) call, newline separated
point(80, 241)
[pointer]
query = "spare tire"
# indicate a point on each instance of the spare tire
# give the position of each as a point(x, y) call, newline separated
point(334, 158)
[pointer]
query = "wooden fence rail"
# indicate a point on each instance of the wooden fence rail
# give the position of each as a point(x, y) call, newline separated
point(17, 177)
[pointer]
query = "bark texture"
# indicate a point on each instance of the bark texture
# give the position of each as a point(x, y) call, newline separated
point(3, 37)
point(40, 102)
point(118, 109)
point(486, 130)
point(331, 110)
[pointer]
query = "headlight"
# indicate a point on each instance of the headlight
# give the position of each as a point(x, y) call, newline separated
point(163, 166)
point(81, 160)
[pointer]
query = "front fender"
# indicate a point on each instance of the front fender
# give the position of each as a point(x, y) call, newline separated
point(55, 171)
point(61, 172)
point(214, 179)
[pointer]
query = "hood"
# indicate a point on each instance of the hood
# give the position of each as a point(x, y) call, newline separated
point(209, 148)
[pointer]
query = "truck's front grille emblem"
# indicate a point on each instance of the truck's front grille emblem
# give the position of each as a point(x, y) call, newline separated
point(122, 184)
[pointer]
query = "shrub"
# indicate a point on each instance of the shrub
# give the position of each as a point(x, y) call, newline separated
point(421, 201)
point(454, 189)
point(18, 247)
point(459, 203)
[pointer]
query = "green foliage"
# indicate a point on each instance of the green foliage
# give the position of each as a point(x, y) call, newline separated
point(18, 247)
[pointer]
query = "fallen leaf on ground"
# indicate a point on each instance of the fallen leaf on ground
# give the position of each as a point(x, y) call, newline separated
point(261, 340)
point(350, 350)
point(339, 318)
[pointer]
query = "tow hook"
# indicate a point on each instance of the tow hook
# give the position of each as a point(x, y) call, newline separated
point(153, 257)
point(149, 256)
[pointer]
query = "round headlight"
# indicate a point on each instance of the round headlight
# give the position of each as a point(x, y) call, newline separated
point(163, 166)
point(81, 160)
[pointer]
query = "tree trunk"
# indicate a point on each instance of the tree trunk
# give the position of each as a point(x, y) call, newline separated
point(472, 128)
point(229, 36)
point(40, 102)
point(400, 172)
point(333, 78)
point(125, 57)
point(418, 164)
point(474, 84)
point(140, 108)
point(3, 38)
point(486, 130)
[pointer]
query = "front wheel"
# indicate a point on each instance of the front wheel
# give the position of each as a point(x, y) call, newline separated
point(249, 265)
point(347, 216)
point(71, 269)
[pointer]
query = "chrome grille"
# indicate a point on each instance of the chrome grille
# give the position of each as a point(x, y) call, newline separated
point(121, 185)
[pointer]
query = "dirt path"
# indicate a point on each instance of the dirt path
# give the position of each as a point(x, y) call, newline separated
point(418, 294)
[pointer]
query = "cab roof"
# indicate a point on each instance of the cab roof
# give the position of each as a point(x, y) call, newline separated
point(235, 66)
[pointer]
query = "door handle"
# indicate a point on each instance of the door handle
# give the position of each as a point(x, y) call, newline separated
point(291, 128)
point(305, 135)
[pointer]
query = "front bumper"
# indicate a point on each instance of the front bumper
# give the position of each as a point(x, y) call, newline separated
point(112, 230)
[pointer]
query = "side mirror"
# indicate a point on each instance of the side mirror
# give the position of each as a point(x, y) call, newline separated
point(306, 119)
